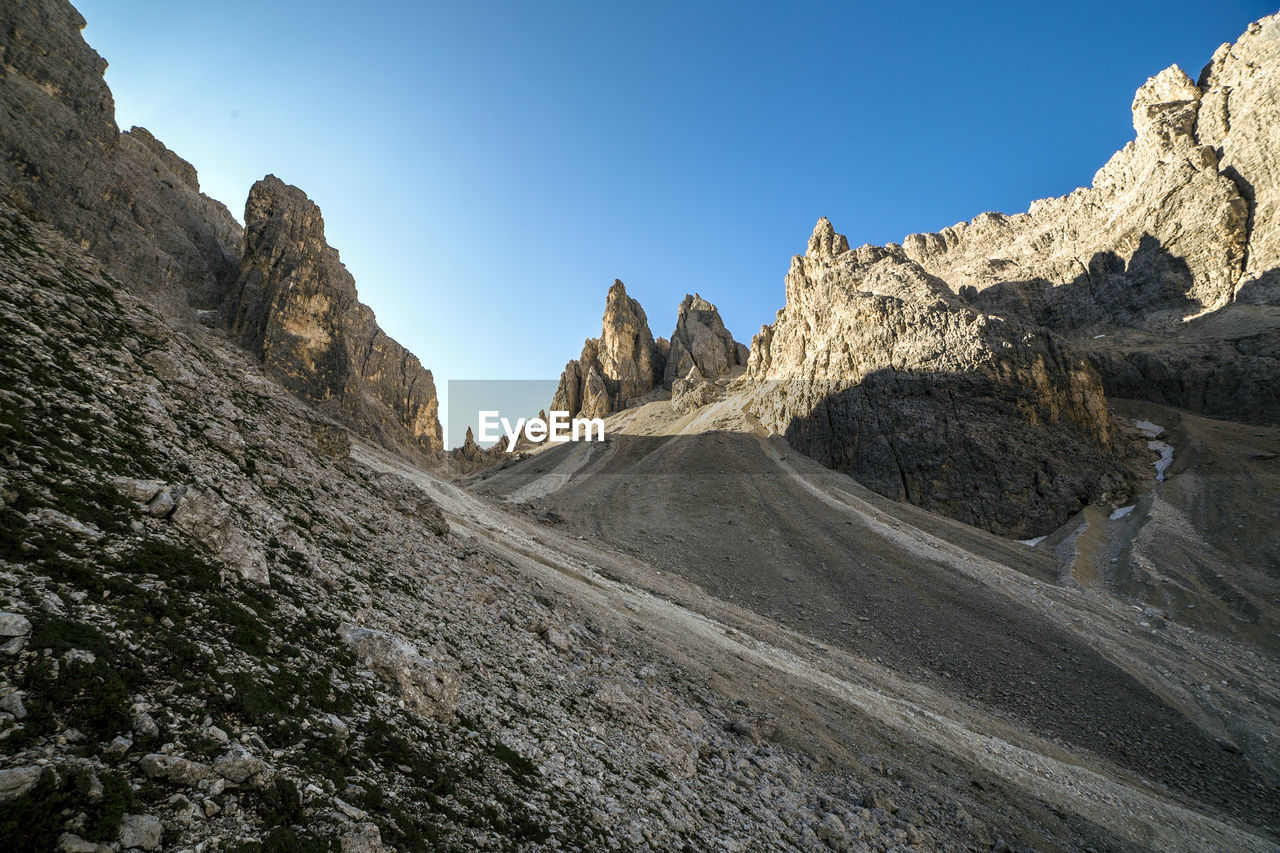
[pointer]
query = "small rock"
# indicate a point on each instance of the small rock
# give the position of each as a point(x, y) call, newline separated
point(879, 800)
point(145, 726)
point(14, 625)
point(831, 829)
point(557, 639)
point(238, 765)
point(363, 839)
point(118, 746)
point(349, 810)
point(68, 843)
point(141, 831)
point(173, 768)
point(13, 705)
point(161, 505)
point(47, 517)
point(17, 781)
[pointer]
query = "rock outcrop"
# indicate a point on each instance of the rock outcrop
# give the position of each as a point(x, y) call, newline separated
point(622, 365)
point(1159, 236)
point(124, 197)
point(1166, 271)
point(875, 367)
point(294, 305)
point(701, 341)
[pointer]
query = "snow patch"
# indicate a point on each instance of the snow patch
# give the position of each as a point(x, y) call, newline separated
point(1166, 457)
point(1033, 542)
point(1096, 337)
point(1122, 512)
point(1148, 429)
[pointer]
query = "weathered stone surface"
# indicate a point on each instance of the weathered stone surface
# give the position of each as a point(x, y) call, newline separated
point(203, 514)
point(700, 340)
point(238, 765)
point(693, 391)
point(875, 367)
point(1181, 223)
point(294, 305)
point(620, 366)
point(427, 687)
point(127, 199)
point(16, 781)
point(142, 832)
point(1159, 236)
point(173, 768)
point(1239, 116)
point(366, 838)
point(14, 625)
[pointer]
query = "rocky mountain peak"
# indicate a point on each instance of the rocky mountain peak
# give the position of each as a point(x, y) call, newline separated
point(621, 365)
point(824, 242)
point(272, 200)
point(1165, 107)
point(294, 305)
point(700, 340)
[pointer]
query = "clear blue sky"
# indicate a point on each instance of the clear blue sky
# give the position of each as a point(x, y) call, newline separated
point(487, 169)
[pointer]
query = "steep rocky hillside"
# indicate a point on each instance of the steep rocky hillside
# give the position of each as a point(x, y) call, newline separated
point(137, 207)
point(221, 631)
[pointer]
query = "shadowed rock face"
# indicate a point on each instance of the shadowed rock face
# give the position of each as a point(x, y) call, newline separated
point(875, 367)
point(621, 365)
point(294, 304)
point(701, 341)
point(132, 203)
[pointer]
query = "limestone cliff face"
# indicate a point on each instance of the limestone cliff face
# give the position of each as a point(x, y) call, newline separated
point(1166, 271)
point(124, 197)
point(294, 304)
point(875, 367)
point(1159, 236)
point(1239, 116)
point(618, 367)
point(701, 341)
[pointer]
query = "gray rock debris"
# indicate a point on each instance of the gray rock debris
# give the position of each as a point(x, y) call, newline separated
point(427, 687)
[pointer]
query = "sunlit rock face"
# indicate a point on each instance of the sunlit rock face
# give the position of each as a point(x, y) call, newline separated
point(294, 304)
point(701, 342)
point(622, 365)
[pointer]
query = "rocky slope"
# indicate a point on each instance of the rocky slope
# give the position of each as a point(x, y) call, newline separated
point(622, 365)
point(223, 629)
point(294, 305)
point(875, 367)
point(136, 206)
point(124, 197)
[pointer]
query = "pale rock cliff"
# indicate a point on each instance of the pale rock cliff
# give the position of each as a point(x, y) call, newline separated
point(294, 304)
point(875, 367)
point(622, 365)
point(701, 341)
point(1165, 270)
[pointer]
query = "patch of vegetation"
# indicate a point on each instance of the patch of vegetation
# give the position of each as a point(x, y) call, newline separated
point(34, 821)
